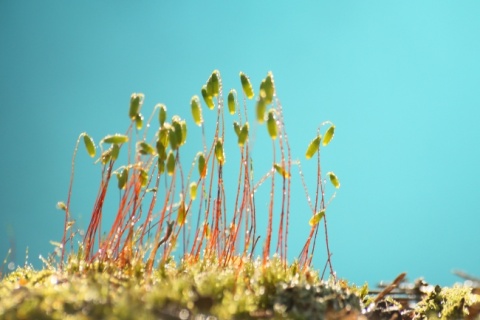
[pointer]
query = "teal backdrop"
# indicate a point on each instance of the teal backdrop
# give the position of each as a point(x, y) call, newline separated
point(399, 79)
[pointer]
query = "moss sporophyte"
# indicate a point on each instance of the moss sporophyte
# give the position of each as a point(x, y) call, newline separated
point(160, 202)
point(131, 271)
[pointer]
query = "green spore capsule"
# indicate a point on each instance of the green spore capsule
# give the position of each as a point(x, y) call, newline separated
point(246, 85)
point(182, 214)
point(242, 138)
point(272, 125)
point(143, 177)
point(213, 84)
point(193, 190)
point(176, 123)
point(170, 163)
point(139, 121)
point(260, 110)
point(328, 135)
point(106, 156)
point(236, 128)
point(61, 206)
point(267, 88)
point(202, 168)
point(89, 145)
point(161, 150)
point(136, 101)
point(173, 137)
point(115, 139)
point(145, 148)
point(196, 110)
point(316, 218)
point(313, 147)
point(281, 170)
point(333, 179)
point(183, 125)
point(232, 104)
point(161, 166)
point(122, 178)
point(162, 114)
point(207, 98)
point(115, 151)
point(163, 133)
point(219, 154)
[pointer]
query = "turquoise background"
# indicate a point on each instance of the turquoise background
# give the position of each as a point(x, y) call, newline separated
point(398, 78)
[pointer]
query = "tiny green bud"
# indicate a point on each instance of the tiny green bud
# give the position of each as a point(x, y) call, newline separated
point(328, 135)
point(313, 147)
point(89, 145)
point(219, 154)
point(202, 168)
point(267, 88)
point(162, 114)
point(182, 213)
point(272, 125)
point(173, 137)
point(143, 177)
point(61, 206)
point(207, 98)
point(261, 108)
point(193, 190)
point(136, 101)
point(231, 101)
point(281, 170)
point(170, 163)
point(139, 121)
point(214, 83)
point(115, 139)
point(246, 85)
point(122, 178)
point(196, 110)
point(316, 218)
point(145, 148)
point(236, 128)
point(161, 151)
point(242, 138)
point(115, 151)
point(333, 179)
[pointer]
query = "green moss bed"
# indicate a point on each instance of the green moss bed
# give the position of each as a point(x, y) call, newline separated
point(202, 290)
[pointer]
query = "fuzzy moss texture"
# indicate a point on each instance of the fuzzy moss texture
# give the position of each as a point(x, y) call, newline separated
point(186, 291)
point(204, 291)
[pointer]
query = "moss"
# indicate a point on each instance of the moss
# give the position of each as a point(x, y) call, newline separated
point(447, 303)
point(171, 292)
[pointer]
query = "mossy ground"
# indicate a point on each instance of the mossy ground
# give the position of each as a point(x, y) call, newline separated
point(203, 290)
point(199, 290)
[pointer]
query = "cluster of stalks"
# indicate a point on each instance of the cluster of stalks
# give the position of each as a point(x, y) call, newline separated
point(163, 207)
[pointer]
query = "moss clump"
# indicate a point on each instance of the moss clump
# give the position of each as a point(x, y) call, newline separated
point(448, 303)
point(241, 290)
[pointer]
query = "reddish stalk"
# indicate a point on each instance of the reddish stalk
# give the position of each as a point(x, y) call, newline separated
point(266, 250)
point(95, 221)
point(67, 206)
